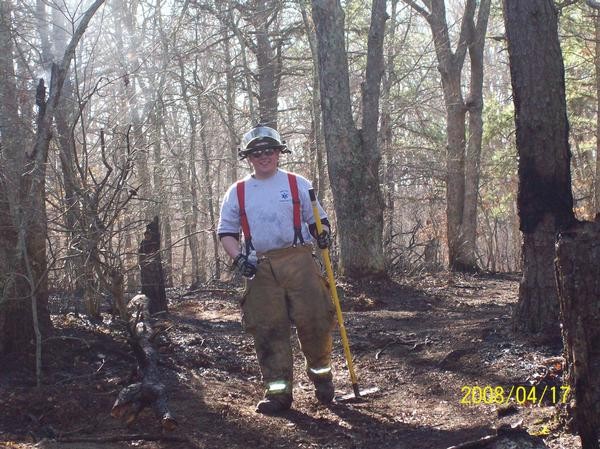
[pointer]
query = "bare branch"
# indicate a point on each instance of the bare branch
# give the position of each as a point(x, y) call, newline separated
point(426, 14)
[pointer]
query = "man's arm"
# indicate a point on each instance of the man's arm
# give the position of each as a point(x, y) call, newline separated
point(230, 245)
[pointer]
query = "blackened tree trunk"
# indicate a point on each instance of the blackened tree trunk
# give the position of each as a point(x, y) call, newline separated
point(545, 201)
point(578, 277)
point(152, 275)
point(353, 154)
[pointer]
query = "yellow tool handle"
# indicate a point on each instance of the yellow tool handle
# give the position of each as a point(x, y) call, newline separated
point(334, 296)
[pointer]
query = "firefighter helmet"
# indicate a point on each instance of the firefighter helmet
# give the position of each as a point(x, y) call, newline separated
point(261, 137)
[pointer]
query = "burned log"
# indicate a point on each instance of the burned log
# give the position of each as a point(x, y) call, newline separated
point(152, 274)
point(149, 391)
point(507, 437)
point(578, 279)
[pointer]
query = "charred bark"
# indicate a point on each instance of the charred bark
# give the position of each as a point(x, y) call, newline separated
point(149, 391)
point(152, 275)
point(545, 201)
point(578, 278)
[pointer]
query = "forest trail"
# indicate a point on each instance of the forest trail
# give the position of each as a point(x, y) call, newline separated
point(419, 342)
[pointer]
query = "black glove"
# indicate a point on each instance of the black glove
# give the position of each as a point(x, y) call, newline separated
point(324, 239)
point(244, 267)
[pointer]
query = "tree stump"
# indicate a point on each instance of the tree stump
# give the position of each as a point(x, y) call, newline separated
point(152, 275)
point(578, 278)
point(149, 391)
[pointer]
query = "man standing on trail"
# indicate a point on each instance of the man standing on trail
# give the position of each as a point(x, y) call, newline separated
point(283, 283)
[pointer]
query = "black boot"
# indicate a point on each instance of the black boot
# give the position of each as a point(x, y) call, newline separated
point(324, 391)
point(274, 403)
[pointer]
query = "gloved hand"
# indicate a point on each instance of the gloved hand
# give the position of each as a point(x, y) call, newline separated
point(243, 266)
point(324, 239)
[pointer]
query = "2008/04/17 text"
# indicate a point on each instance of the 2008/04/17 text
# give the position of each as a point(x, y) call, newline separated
point(477, 395)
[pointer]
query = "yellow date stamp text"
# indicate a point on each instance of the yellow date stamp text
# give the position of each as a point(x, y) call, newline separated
point(520, 394)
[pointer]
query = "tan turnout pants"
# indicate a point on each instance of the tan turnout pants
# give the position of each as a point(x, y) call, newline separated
point(288, 289)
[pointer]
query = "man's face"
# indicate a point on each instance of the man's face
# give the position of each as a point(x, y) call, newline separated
point(264, 162)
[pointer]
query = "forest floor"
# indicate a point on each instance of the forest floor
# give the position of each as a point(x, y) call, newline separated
point(424, 343)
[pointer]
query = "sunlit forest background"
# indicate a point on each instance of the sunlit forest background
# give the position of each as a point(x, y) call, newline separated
point(159, 93)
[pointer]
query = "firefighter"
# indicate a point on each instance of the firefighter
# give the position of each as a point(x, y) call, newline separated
point(283, 281)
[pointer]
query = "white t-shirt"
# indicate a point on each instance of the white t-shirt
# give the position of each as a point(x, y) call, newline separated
point(269, 208)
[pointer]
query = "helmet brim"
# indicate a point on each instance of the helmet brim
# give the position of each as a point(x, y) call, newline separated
point(243, 154)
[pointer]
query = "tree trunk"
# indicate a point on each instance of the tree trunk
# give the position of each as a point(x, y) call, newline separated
point(230, 99)
point(24, 178)
point(246, 67)
point(597, 73)
point(209, 204)
point(474, 106)
point(153, 280)
point(133, 82)
point(387, 147)
point(66, 117)
point(168, 269)
point(353, 155)
point(462, 161)
point(578, 277)
point(545, 201)
point(460, 254)
point(16, 329)
point(187, 179)
point(316, 130)
point(268, 61)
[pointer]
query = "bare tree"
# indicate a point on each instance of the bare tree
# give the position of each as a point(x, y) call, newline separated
point(352, 154)
point(462, 157)
point(268, 57)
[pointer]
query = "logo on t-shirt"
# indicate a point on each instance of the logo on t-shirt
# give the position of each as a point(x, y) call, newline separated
point(284, 195)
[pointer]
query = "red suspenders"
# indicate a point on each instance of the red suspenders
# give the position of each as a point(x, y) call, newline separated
point(241, 195)
point(296, 204)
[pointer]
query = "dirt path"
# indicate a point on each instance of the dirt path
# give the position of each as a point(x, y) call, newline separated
point(422, 344)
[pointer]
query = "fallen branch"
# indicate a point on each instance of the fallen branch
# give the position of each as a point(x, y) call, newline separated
point(150, 391)
point(394, 342)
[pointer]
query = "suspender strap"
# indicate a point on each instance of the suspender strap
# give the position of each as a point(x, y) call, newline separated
point(296, 204)
point(241, 195)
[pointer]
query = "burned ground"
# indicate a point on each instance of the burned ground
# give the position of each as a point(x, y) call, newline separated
point(421, 342)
